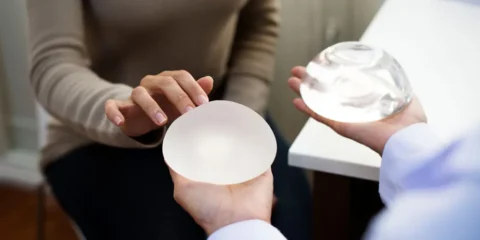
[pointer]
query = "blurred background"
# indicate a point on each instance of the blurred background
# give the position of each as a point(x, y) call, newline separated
point(307, 27)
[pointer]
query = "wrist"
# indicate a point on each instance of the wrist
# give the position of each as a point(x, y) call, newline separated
point(379, 145)
point(376, 139)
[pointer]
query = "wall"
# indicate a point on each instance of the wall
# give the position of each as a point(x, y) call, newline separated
point(21, 116)
point(363, 13)
point(308, 26)
point(300, 38)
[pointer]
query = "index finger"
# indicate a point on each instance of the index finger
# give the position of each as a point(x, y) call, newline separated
point(169, 87)
point(189, 85)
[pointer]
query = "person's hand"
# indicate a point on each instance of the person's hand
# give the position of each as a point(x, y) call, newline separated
point(373, 134)
point(156, 100)
point(215, 206)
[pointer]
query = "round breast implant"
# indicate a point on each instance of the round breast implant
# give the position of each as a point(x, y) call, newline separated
point(354, 82)
point(221, 143)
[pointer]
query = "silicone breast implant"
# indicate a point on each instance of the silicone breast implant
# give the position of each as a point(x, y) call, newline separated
point(353, 82)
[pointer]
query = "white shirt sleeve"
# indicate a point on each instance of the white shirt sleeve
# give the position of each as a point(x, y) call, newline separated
point(431, 189)
point(407, 153)
point(248, 230)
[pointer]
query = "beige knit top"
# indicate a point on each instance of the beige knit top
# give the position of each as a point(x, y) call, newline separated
point(84, 52)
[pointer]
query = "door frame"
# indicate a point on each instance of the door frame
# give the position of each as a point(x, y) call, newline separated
point(3, 126)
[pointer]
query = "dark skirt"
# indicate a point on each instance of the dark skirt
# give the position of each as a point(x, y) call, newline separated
point(115, 193)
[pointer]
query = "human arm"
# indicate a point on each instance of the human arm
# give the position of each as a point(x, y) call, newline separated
point(259, 229)
point(60, 75)
point(110, 113)
point(431, 188)
point(253, 55)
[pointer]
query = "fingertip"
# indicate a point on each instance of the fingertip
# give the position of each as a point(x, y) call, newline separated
point(294, 70)
point(292, 80)
point(269, 172)
point(173, 174)
point(177, 178)
point(268, 175)
point(298, 71)
point(202, 99)
point(113, 114)
point(206, 78)
point(298, 103)
point(160, 119)
point(294, 84)
point(206, 83)
point(118, 121)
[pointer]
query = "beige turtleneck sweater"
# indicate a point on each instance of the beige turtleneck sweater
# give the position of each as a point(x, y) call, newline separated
point(84, 52)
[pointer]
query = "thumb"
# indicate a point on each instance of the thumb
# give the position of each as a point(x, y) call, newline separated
point(206, 83)
point(178, 179)
point(113, 110)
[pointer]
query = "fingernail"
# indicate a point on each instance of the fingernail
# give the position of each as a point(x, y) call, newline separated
point(188, 108)
point(202, 99)
point(117, 120)
point(160, 118)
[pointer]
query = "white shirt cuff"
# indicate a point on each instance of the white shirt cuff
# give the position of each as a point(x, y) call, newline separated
point(405, 152)
point(250, 229)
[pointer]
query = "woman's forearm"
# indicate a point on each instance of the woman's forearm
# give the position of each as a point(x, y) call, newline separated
point(60, 74)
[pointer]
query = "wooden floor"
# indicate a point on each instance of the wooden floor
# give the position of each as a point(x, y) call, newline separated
point(18, 216)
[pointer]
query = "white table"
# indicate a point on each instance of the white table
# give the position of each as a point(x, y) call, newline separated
point(438, 44)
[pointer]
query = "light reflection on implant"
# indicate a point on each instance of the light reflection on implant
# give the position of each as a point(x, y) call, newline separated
point(353, 82)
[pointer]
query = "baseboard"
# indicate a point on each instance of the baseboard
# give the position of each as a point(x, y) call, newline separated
point(20, 168)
